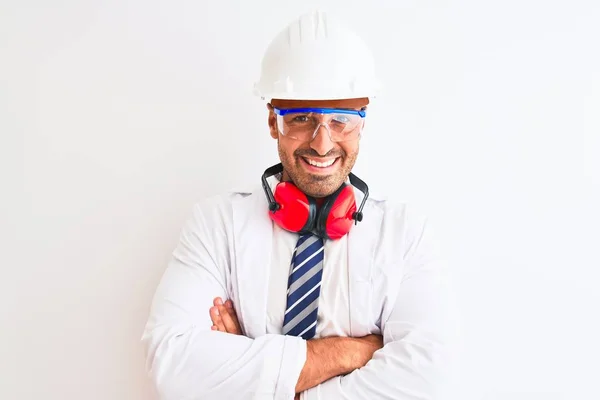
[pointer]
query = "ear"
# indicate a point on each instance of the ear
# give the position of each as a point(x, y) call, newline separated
point(272, 121)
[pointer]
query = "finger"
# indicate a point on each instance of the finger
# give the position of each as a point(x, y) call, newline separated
point(232, 313)
point(228, 321)
point(214, 315)
point(217, 316)
point(217, 319)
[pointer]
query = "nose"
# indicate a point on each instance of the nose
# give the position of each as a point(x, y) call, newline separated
point(321, 142)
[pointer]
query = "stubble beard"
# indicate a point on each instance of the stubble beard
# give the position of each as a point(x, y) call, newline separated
point(316, 185)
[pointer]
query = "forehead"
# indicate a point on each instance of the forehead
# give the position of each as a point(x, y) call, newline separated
point(341, 103)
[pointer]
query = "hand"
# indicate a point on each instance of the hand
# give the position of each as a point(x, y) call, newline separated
point(224, 318)
point(335, 356)
point(363, 350)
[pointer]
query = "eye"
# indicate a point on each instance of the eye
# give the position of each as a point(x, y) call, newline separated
point(341, 118)
point(300, 118)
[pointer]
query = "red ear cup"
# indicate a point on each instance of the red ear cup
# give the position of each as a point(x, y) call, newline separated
point(298, 212)
point(339, 213)
point(295, 207)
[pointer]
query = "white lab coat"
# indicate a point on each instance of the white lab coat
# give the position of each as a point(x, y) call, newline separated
point(397, 288)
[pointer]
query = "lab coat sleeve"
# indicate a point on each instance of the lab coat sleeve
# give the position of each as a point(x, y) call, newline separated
point(185, 358)
point(421, 339)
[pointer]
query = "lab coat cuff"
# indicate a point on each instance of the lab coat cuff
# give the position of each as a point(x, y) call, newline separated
point(325, 391)
point(292, 362)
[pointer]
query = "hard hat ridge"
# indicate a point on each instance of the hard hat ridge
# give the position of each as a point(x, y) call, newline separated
point(316, 57)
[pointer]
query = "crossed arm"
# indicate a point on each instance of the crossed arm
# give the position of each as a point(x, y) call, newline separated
point(188, 359)
point(325, 358)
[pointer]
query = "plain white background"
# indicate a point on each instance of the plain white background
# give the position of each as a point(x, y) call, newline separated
point(115, 117)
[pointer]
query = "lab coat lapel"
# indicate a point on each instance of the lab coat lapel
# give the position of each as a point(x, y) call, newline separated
point(362, 241)
point(253, 231)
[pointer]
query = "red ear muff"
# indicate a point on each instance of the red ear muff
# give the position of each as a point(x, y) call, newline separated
point(337, 213)
point(295, 208)
point(294, 211)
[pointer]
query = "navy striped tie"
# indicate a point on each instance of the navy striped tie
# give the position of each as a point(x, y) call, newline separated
point(304, 286)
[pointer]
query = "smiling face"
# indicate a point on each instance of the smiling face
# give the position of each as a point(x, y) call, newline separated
point(320, 166)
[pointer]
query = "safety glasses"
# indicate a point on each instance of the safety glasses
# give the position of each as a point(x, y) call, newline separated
point(304, 123)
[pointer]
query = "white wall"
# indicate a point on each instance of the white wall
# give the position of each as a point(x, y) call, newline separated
point(115, 117)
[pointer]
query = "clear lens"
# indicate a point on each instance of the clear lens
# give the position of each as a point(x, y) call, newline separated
point(303, 126)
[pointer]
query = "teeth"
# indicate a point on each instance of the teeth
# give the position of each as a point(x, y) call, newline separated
point(320, 165)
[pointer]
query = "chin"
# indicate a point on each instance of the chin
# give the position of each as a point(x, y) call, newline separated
point(320, 189)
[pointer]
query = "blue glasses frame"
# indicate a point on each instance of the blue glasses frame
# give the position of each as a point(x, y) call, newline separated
point(283, 111)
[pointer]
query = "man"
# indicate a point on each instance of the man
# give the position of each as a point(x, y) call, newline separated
point(320, 291)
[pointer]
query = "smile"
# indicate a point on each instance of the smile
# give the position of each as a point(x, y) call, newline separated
point(320, 164)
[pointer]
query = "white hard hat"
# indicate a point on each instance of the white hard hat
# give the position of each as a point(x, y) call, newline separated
point(317, 58)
